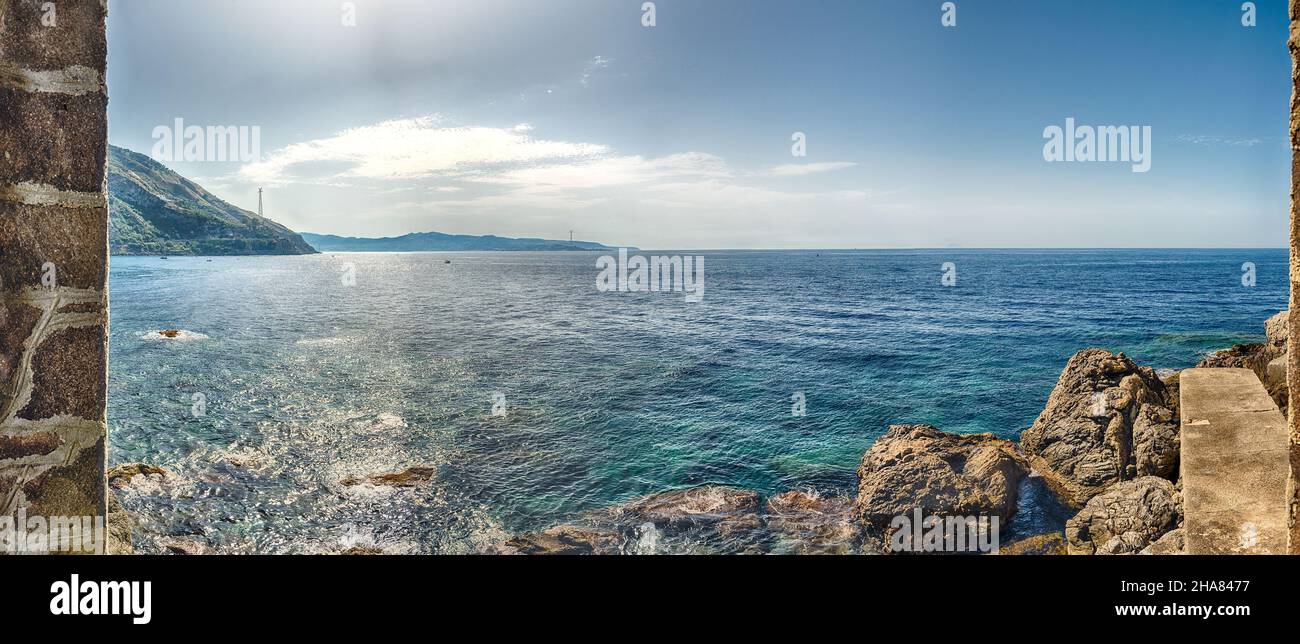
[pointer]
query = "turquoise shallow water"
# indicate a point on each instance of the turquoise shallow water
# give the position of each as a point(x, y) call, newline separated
point(307, 377)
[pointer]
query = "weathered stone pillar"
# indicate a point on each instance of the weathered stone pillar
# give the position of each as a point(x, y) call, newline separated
point(53, 258)
point(1293, 351)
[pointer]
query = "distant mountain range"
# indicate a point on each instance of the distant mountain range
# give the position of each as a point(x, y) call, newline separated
point(441, 241)
point(154, 211)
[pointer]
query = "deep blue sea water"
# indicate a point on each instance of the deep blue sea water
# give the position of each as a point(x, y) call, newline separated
point(307, 377)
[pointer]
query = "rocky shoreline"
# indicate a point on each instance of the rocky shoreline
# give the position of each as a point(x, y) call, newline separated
point(1106, 446)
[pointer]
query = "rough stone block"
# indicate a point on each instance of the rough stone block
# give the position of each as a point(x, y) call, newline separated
point(75, 240)
point(60, 140)
point(77, 489)
point(69, 369)
point(76, 36)
point(23, 445)
point(17, 321)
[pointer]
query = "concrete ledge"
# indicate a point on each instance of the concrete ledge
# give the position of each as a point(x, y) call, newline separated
point(1235, 464)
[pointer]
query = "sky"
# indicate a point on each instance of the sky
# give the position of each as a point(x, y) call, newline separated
point(533, 119)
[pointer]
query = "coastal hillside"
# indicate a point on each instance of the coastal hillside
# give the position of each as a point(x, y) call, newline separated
point(433, 241)
point(154, 211)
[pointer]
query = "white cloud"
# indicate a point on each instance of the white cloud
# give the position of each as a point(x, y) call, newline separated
point(592, 66)
point(509, 170)
point(1201, 139)
point(611, 171)
point(408, 149)
point(801, 169)
point(718, 195)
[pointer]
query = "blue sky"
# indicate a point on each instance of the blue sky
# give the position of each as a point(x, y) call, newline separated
point(533, 118)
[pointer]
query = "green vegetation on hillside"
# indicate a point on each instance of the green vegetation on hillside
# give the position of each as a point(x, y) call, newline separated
point(154, 211)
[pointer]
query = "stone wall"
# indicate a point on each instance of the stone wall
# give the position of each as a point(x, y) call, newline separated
point(53, 258)
point(1293, 355)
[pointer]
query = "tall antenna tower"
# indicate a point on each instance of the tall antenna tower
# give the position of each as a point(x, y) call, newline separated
point(570, 236)
point(259, 203)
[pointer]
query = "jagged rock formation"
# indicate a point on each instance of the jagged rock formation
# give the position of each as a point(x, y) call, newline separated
point(1106, 421)
point(154, 211)
point(918, 466)
point(1126, 518)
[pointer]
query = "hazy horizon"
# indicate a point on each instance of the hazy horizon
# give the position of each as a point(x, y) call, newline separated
point(522, 120)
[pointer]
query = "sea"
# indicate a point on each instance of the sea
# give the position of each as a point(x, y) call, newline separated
point(534, 396)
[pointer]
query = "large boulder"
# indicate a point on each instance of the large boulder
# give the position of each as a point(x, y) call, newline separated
point(1125, 519)
point(1156, 441)
point(1107, 420)
point(919, 467)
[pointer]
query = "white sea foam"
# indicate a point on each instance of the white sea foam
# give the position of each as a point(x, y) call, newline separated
point(180, 335)
point(321, 342)
point(381, 422)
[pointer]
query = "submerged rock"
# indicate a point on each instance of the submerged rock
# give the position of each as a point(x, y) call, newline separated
point(409, 477)
point(702, 519)
point(808, 523)
point(137, 476)
point(179, 335)
point(1106, 421)
point(918, 466)
point(184, 546)
point(711, 503)
point(1125, 519)
point(567, 540)
point(362, 551)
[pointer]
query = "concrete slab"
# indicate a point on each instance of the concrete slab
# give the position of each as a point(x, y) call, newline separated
point(1235, 464)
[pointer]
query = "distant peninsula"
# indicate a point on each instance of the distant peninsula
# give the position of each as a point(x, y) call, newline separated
point(154, 211)
point(431, 241)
